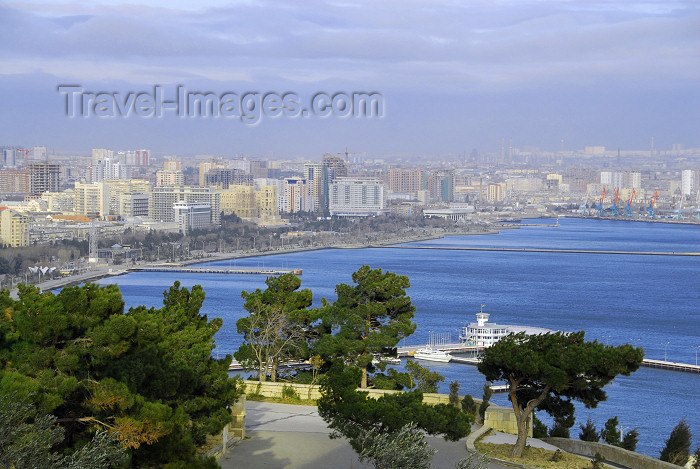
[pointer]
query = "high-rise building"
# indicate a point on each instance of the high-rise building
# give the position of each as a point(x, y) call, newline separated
point(496, 192)
point(225, 177)
point(688, 182)
point(9, 157)
point(295, 196)
point(108, 169)
point(336, 166)
point(14, 228)
point(44, 177)
point(124, 187)
point(316, 175)
point(191, 216)
point(134, 204)
point(92, 199)
point(357, 197)
point(99, 154)
point(163, 198)
point(407, 181)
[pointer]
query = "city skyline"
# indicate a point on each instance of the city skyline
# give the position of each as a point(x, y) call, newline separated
point(454, 77)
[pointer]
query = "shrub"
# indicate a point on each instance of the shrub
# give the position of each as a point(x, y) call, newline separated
point(629, 442)
point(289, 393)
point(454, 393)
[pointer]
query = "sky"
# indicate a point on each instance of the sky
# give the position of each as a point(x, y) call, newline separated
point(452, 76)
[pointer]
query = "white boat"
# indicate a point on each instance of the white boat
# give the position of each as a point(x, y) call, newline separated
point(432, 354)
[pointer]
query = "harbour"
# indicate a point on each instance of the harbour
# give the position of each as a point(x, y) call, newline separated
point(647, 301)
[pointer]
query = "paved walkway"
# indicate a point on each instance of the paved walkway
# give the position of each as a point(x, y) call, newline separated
point(295, 437)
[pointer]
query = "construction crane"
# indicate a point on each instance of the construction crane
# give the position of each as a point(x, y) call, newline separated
point(628, 208)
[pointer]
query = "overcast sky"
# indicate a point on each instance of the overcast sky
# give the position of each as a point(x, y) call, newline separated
point(454, 75)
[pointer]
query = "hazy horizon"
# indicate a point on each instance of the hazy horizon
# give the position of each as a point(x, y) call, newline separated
point(454, 76)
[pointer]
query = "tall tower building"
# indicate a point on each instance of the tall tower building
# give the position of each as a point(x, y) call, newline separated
point(316, 175)
point(44, 177)
point(336, 166)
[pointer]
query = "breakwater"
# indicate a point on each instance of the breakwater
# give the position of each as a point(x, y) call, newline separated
point(566, 251)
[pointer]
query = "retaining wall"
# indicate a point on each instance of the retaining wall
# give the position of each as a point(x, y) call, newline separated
point(612, 454)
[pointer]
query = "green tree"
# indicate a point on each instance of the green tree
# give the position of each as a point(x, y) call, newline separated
point(402, 449)
point(561, 366)
point(352, 414)
point(468, 405)
point(589, 431)
point(422, 378)
point(630, 440)
point(277, 327)
point(367, 320)
point(610, 434)
point(28, 438)
point(454, 393)
point(677, 449)
point(485, 397)
point(146, 376)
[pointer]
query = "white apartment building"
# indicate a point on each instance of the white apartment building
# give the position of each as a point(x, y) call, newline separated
point(191, 216)
point(92, 199)
point(163, 199)
point(688, 182)
point(357, 197)
point(134, 204)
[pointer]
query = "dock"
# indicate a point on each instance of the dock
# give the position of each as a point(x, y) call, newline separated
point(685, 367)
point(217, 270)
point(408, 351)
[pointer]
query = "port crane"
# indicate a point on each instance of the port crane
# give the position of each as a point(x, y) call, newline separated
point(601, 211)
point(614, 210)
point(628, 208)
point(652, 203)
point(584, 206)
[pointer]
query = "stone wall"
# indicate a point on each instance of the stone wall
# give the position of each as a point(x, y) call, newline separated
point(612, 454)
point(502, 419)
point(312, 392)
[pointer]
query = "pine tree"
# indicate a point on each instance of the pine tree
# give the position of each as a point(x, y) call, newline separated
point(454, 393)
point(610, 434)
point(630, 440)
point(677, 449)
point(588, 432)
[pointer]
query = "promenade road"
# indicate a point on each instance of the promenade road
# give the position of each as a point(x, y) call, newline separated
point(295, 437)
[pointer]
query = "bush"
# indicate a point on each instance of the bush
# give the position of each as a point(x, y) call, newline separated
point(598, 461)
point(289, 393)
point(559, 431)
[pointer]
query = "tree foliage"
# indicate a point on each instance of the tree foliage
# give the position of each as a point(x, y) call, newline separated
point(277, 327)
point(422, 378)
point(351, 413)
point(145, 375)
point(677, 448)
point(367, 320)
point(547, 371)
point(27, 439)
point(610, 434)
point(630, 440)
point(402, 449)
point(589, 432)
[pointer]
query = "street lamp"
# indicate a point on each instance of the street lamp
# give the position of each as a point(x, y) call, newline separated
point(666, 351)
point(696, 355)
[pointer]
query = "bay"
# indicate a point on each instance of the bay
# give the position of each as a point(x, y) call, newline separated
point(649, 301)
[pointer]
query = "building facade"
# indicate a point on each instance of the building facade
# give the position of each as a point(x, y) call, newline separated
point(163, 199)
point(44, 177)
point(14, 228)
point(357, 197)
point(191, 216)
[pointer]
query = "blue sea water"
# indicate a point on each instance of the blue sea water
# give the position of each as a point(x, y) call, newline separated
point(649, 301)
